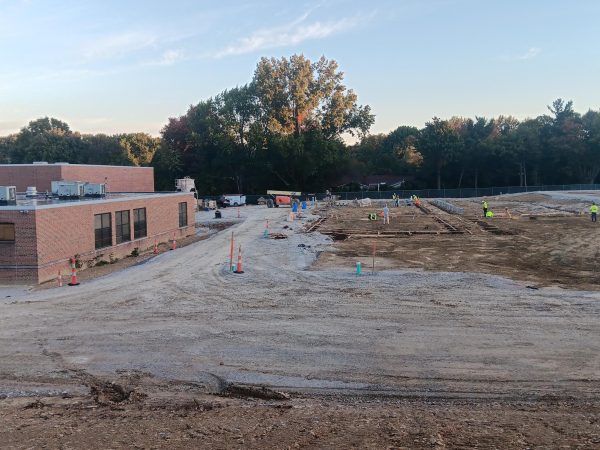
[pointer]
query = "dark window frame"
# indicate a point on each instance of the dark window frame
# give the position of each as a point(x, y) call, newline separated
point(103, 234)
point(183, 216)
point(122, 229)
point(13, 232)
point(140, 226)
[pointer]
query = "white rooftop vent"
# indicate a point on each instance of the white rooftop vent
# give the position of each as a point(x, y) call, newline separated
point(31, 191)
point(39, 163)
point(60, 163)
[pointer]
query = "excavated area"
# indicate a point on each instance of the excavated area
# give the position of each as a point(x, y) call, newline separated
point(531, 239)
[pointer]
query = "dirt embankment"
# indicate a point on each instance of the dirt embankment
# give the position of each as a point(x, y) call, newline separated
point(200, 421)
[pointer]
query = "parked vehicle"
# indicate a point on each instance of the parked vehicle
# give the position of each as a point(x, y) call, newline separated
point(235, 199)
point(223, 202)
point(281, 198)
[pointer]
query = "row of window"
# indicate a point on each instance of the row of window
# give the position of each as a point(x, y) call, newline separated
point(103, 225)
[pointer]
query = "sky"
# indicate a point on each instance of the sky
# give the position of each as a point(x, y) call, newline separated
point(127, 66)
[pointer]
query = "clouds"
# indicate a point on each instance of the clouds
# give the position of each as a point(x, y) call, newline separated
point(286, 35)
point(530, 54)
point(170, 57)
point(118, 44)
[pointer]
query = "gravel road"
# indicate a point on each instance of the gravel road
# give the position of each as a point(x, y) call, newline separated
point(184, 316)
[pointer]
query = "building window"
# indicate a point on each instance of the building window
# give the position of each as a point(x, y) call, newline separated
point(183, 221)
point(139, 223)
point(7, 232)
point(103, 230)
point(123, 227)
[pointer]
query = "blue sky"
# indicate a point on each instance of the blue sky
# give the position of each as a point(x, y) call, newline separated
point(124, 66)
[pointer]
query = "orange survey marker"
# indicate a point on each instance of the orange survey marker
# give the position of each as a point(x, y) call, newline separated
point(59, 278)
point(174, 246)
point(155, 248)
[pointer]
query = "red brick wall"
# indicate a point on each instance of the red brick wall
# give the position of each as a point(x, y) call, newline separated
point(65, 231)
point(23, 176)
point(120, 178)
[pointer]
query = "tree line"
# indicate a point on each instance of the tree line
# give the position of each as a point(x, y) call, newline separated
point(288, 129)
point(52, 140)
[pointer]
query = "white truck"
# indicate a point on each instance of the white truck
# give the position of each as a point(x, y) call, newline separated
point(234, 199)
point(185, 184)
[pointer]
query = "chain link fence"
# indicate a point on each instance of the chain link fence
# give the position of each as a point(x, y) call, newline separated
point(432, 193)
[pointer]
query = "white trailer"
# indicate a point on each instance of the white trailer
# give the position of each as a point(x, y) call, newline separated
point(185, 184)
point(235, 199)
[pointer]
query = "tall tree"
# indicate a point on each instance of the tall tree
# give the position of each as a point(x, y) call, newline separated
point(437, 144)
point(139, 147)
point(296, 95)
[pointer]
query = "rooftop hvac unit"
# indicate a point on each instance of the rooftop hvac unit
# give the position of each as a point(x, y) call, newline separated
point(185, 184)
point(8, 195)
point(31, 191)
point(68, 189)
point(94, 189)
point(40, 163)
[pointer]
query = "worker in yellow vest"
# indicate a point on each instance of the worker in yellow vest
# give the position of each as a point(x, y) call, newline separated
point(594, 211)
point(485, 207)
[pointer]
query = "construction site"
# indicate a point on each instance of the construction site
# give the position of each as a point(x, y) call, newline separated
point(323, 328)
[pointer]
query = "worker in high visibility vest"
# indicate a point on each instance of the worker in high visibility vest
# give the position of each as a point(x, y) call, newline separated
point(594, 211)
point(485, 207)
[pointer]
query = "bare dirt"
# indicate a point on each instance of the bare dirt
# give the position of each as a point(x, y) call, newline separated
point(180, 352)
point(201, 421)
point(544, 246)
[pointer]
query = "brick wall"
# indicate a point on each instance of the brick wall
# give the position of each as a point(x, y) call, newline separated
point(119, 178)
point(23, 176)
point(60, 233)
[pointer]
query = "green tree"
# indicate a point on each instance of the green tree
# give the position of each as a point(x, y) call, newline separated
point(589, 160)
point(437, 143)
point(296, 95)
point(139, 147)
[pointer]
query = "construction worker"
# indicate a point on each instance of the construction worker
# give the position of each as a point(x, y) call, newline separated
point(386, 214)
point(485, 207)
point(594, 211)
point(489, 214)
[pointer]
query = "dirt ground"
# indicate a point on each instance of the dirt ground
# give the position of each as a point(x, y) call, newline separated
point(324, 422)
point(543, 245)
point(402, 358)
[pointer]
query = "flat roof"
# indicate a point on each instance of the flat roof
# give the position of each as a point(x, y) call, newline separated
point(41, 202)
point(74, 165)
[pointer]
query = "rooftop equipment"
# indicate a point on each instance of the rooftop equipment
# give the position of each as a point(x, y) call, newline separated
point(8, 195)
point(68, 189)
point(94, 189)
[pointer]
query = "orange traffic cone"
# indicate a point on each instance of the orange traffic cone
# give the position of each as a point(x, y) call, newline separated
point(73, 274)
point(155, 248)
point(174, 246)
point(238, 268)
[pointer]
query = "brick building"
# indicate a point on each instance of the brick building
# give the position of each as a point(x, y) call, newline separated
point(38, 236)
point(40, 175)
